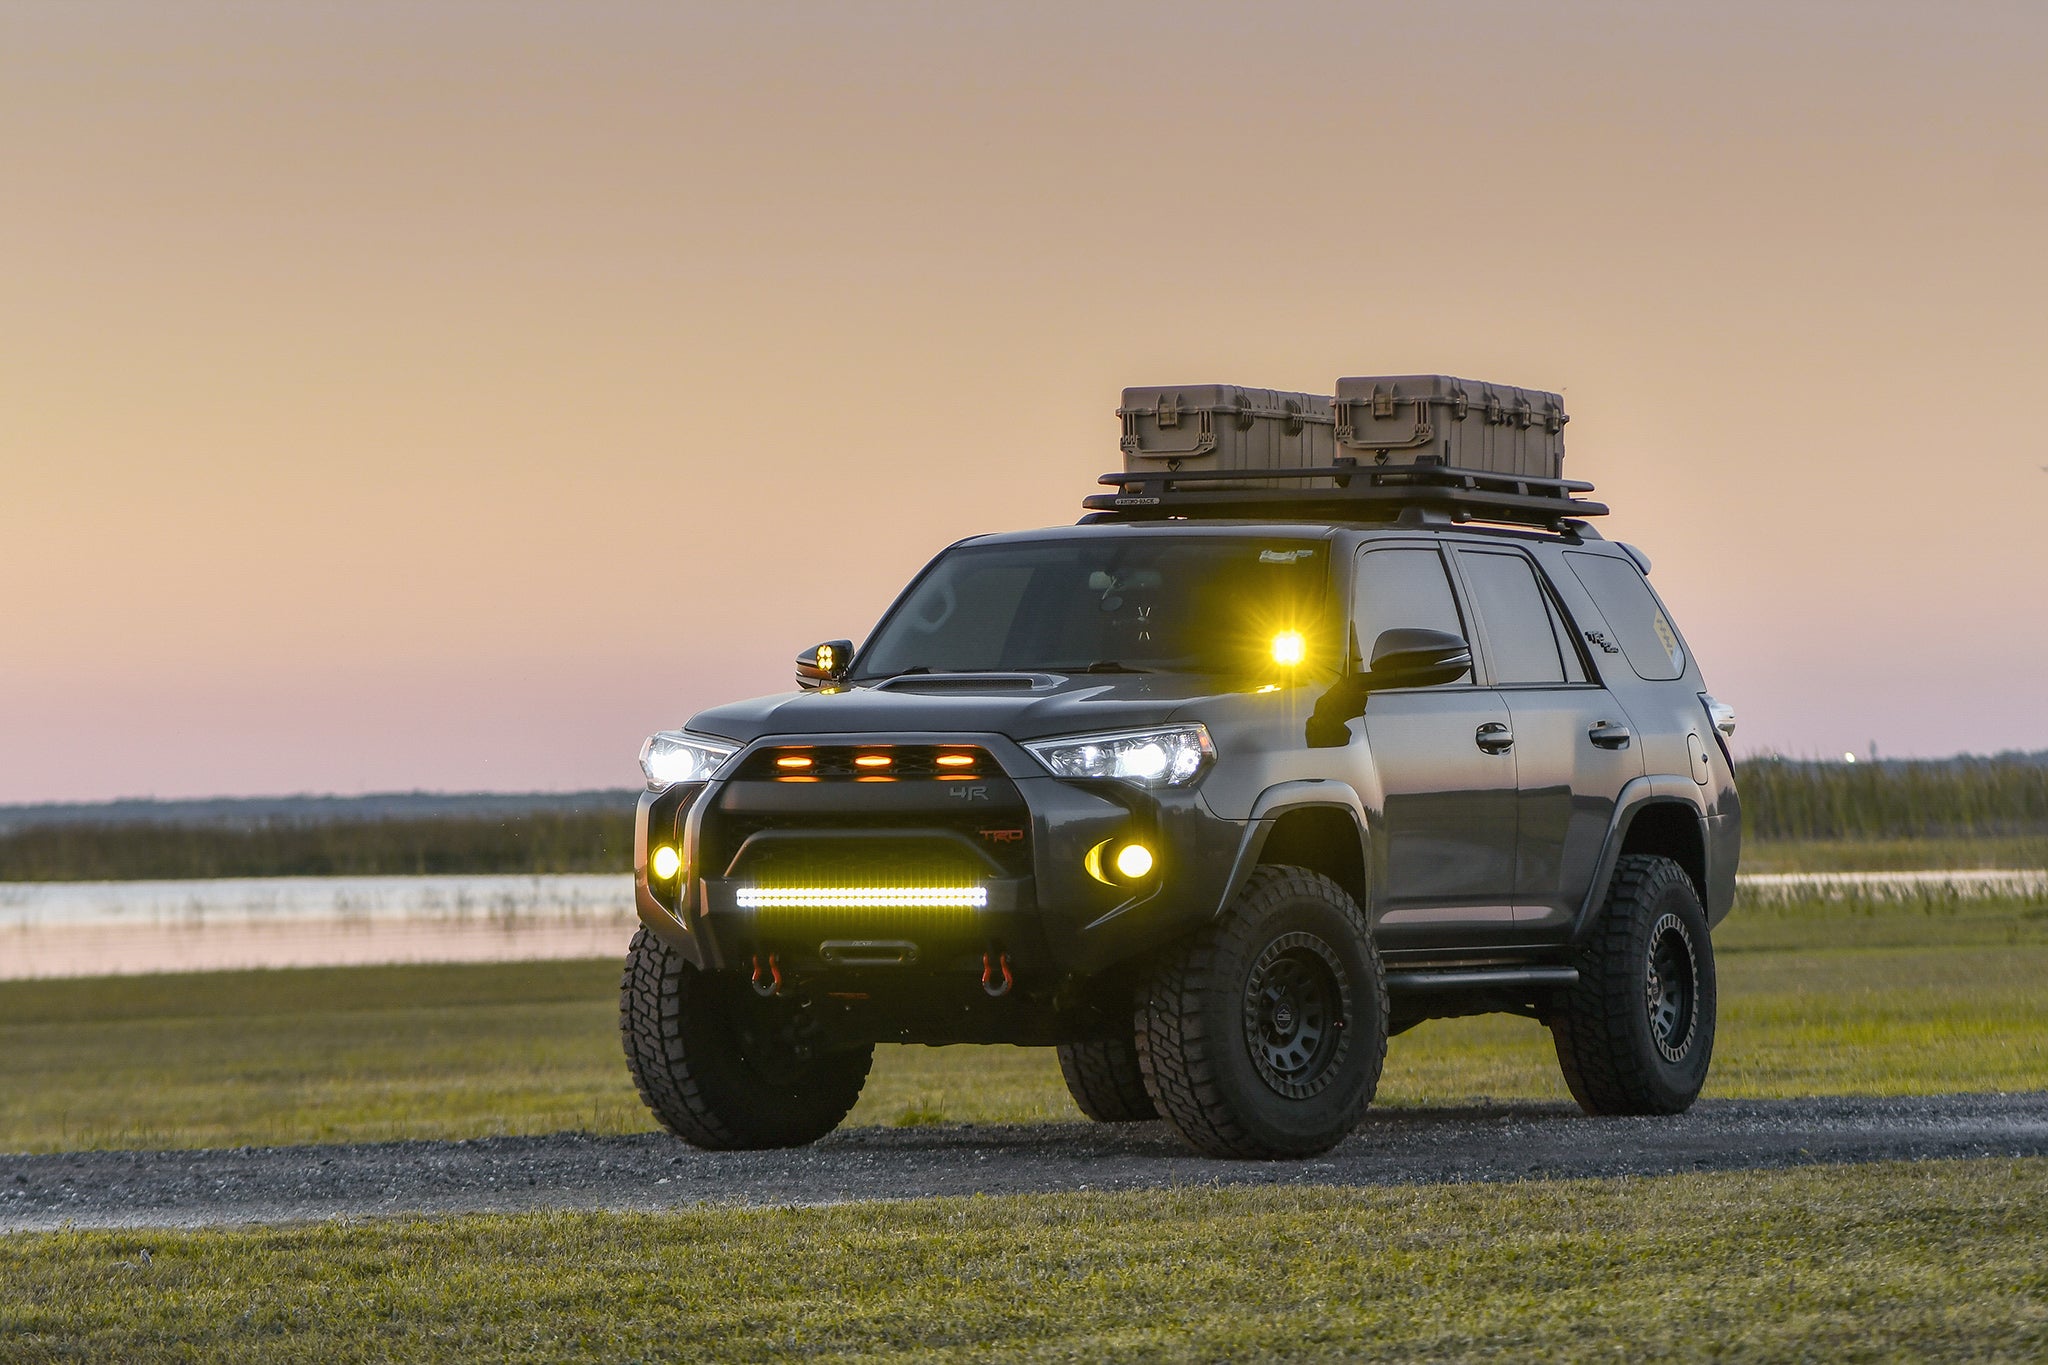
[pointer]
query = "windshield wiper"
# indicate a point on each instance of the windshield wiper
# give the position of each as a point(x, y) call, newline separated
point(1099, 666)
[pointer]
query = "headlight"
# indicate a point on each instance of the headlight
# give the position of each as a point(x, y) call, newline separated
point(1170, 757)
point(670, 756)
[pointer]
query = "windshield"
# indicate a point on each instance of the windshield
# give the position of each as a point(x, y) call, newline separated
point(1154, 604)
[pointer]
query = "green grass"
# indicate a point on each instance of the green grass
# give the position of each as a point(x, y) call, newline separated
point(1929, 1261)
point(1817, 997)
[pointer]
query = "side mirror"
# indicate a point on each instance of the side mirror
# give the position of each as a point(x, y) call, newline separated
point(1409, 657)
point(1404, 657)
point(826, 663)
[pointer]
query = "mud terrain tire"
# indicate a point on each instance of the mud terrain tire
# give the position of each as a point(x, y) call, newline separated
point(1636, 1034)
point(713, 1067)
point(1263, 1036)
point(1106, 1081)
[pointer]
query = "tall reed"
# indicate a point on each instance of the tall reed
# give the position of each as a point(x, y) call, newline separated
point(1805, 799)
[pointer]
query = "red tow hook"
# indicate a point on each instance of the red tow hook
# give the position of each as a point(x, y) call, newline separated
point(991, 964)
point(775, 974)
point(765, 980)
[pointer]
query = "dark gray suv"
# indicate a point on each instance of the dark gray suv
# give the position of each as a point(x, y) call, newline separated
point(1214, 793)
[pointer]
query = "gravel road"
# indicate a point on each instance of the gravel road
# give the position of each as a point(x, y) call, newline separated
point(650, 1171)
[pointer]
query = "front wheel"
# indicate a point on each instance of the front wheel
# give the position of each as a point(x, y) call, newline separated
point(1635, 1035)
point(720, 1067)
point(1264, 1035)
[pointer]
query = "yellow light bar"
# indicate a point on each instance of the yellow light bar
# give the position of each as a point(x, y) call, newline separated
point(885, 897)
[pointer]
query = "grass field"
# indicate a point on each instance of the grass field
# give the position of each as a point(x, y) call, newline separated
point(1817, 997)
point(1933, 1261)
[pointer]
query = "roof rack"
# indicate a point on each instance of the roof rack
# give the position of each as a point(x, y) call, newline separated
point(1354, 492)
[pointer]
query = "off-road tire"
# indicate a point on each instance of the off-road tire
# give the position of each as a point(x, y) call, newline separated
point(1230, 1093)
point(1106, 1081)
point(1628, 1041)
point(707, 1075)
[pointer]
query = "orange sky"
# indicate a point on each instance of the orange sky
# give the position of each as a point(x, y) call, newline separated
point(391, 401)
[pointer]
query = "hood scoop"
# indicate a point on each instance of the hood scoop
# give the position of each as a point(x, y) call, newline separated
point(971, 682)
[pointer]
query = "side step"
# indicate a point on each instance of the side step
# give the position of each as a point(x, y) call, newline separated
point(1481, 978)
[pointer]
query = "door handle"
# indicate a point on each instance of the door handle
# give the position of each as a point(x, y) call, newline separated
point(1494, 737)
point(1608, 735)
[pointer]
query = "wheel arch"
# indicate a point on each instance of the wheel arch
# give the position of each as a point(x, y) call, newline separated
point(1319, 825)
point(1658, 816)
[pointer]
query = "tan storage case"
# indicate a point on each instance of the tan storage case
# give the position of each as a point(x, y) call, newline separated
point(1197, 428)
point(1462, 423)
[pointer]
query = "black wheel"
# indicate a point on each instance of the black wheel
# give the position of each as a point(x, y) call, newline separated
point(1636, 1034)
point(718, 1065)
point(1264, 1035)
point(1106, 1081)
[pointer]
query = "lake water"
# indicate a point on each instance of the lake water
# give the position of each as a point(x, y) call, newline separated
point(95, 928)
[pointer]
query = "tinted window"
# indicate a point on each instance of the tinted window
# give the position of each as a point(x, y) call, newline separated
point(1639, 624)
point(1204, 604)
point(1516, 614)
point(1403, 587)
point(1568, 650)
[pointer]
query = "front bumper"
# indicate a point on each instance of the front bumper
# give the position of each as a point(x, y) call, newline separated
point(1018, 838)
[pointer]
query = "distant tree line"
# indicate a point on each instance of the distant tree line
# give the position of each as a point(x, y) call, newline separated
point(541, 841)
point(1781, 799)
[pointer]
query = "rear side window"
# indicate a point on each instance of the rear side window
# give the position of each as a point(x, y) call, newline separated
point(1640, 627)
point(1404, 586)
point(1516, 614)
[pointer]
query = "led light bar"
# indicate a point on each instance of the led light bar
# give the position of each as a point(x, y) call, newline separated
point(886, 897)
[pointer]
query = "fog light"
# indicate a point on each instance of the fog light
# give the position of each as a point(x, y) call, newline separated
point(665, 862)
point(1133, 861)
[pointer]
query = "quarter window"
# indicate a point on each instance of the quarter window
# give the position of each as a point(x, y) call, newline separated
point(1640, 626)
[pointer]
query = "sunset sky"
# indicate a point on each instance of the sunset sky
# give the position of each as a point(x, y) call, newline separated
point(442, 396)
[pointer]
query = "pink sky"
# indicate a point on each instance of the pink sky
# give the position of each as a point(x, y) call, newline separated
point(394, 400)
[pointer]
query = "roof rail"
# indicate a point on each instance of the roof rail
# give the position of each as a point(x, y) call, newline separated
point(1350, 492)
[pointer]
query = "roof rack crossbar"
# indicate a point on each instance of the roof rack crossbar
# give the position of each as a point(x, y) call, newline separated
point(1361, 493)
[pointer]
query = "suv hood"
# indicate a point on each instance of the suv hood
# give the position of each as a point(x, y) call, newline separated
point(1055, 705)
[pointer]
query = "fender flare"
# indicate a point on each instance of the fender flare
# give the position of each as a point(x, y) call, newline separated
point(1278, 800)
point(1653, 789)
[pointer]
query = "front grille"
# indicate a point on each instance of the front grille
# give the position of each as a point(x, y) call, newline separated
point(1004, 838)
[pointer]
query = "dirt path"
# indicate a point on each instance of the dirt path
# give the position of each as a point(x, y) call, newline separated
point(649, 1171)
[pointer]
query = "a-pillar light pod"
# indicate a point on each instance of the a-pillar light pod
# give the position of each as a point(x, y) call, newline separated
point(1289, 648)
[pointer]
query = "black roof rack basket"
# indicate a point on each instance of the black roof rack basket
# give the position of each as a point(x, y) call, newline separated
point(1350, 492)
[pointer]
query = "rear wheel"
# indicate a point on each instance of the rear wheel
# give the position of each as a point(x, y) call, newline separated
point(1106, 1081)
point(1264, 1035)
point(1636, 1034)
point(721, 1067)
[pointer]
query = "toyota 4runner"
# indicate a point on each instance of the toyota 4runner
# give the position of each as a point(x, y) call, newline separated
point(1213, 792)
